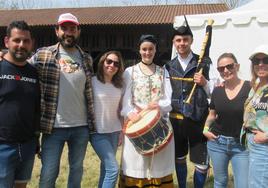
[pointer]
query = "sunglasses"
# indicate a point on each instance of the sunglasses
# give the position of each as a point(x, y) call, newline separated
point(257, 61)
point(109, 62)
point(229, 67)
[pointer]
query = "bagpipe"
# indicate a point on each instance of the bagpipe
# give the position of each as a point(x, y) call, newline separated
point(204, 53)
point(195, 105)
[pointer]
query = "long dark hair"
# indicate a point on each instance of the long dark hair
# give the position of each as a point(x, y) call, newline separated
point(117, 79)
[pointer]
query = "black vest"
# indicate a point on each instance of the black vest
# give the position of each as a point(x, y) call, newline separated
point(197, 110)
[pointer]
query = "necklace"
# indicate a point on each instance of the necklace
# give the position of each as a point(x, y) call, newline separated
point(147, 64)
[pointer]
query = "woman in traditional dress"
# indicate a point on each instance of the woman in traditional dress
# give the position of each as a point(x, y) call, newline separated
point(147, 87)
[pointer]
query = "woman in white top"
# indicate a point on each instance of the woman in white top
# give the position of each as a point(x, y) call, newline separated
point(107, 89)
point(147, 87)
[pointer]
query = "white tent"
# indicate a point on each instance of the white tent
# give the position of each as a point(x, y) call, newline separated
point(238, 31)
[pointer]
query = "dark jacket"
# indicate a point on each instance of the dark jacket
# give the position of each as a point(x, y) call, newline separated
point(197, 110)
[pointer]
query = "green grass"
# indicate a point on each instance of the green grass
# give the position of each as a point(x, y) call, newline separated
point(91, 172)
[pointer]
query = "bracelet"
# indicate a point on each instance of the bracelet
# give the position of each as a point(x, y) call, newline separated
point(206, 129)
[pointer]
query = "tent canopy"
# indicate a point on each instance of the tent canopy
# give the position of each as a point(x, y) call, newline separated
point(238, 31)
point(242, 15)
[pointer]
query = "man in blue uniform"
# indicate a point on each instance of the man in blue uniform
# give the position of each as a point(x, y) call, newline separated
point(188, 118)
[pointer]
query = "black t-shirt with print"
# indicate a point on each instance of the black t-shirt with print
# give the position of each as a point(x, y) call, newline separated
point(229, 112)
point(19, 102)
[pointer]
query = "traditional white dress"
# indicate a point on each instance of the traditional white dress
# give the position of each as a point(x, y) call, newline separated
point(139, 91)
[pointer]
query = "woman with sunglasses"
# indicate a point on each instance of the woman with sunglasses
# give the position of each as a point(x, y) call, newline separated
point(256, 119)
point(224, 122)
point(107, 90)
point(147, 87)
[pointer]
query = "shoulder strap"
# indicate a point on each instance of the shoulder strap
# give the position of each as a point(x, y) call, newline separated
point(163, 74)
point(132, 88)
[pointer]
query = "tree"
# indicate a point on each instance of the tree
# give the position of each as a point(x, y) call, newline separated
point(24, 4)
point(156, 2)
point(182, 2)
point(232, 3)
point(2, 4)
point(76, 3)
point(128, 3)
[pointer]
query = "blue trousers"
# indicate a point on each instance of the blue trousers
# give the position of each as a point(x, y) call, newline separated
point(105, 145)
point(51, 151)
point(224, 150)
point(258, 163)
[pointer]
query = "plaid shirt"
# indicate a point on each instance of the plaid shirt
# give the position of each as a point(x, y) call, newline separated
point(45, 60)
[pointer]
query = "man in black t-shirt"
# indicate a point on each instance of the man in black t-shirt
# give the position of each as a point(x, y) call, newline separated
point(19, 107)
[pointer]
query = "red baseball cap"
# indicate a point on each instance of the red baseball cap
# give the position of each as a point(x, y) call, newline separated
point(67, 17)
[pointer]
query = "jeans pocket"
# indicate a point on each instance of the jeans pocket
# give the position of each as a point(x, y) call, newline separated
point(220, 140)
point(214, 141)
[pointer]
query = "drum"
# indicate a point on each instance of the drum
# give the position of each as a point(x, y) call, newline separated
point(150, 134)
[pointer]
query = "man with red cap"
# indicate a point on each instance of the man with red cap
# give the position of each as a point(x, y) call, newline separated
point(66, 103)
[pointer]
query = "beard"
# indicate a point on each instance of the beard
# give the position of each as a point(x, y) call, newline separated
point(68, 41)
point(20, 55)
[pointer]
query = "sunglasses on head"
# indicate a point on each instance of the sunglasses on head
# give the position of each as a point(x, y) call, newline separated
point(229, 67)
point(109, 62)
point(257, 61)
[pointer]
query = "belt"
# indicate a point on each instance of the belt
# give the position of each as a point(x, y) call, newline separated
point(176, 115)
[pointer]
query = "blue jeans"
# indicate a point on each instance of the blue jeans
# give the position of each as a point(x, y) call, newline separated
point(51, 150)
point(223, 150)
point(258, 163)
point(16, 162)
point(105, 145)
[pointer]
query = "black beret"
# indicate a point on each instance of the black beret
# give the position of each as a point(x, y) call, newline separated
point(148, 38)
point(183, 30)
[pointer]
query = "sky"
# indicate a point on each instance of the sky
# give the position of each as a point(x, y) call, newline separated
point(84, 3)
point(93, 3)
point(107, 2)
point(36, 4)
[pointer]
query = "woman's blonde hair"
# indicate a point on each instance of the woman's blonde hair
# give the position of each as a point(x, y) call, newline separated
point(254, 77)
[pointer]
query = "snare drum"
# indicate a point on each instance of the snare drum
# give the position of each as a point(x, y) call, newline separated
point(150, 134)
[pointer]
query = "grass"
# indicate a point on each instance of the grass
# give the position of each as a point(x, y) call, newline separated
point(91, 172)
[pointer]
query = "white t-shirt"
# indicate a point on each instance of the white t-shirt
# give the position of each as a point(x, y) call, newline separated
point(106, 103)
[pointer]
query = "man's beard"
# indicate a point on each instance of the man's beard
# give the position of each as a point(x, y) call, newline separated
point(20, 57)
point(68, 42)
